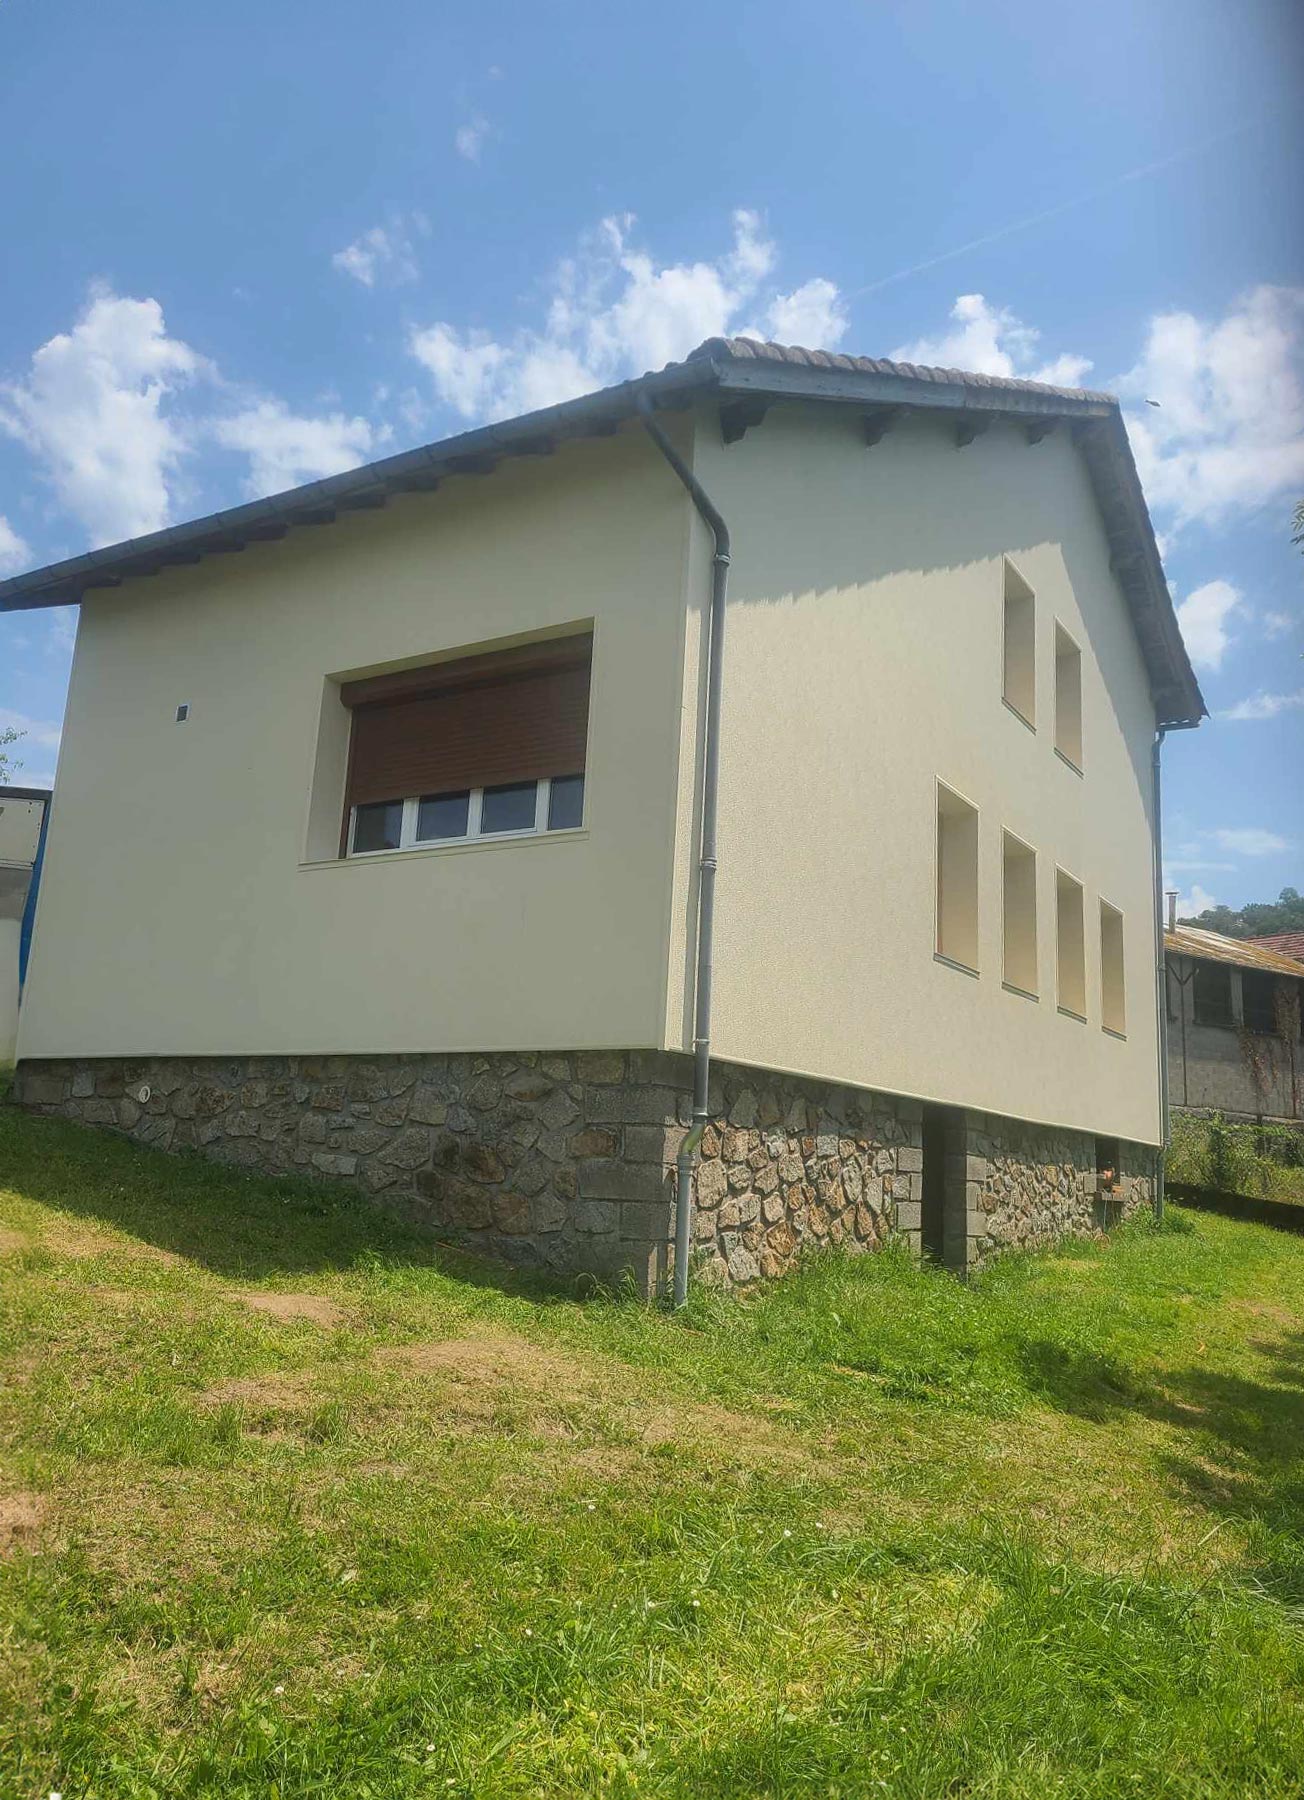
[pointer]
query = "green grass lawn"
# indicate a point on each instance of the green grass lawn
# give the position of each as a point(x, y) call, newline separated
point(294, 1503)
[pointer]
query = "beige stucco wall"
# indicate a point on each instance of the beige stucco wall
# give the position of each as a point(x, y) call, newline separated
point(193, 904)
point(863, 664)
point(181, 911)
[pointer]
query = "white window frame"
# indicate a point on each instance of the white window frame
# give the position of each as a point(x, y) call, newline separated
point(408, 839)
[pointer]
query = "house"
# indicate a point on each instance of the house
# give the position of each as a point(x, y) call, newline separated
point(765, 746)
point(1234, 1022)
point(22, 818)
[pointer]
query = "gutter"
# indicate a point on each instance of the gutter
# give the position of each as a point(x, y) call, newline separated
point(714, 522)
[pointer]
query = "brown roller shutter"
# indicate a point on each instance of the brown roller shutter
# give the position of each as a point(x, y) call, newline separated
point(478, 722)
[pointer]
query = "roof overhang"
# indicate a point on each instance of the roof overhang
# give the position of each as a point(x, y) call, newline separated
point(745, 376)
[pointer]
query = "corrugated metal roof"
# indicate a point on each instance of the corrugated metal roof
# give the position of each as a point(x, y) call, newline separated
point(1212, 946)
point(746, 376)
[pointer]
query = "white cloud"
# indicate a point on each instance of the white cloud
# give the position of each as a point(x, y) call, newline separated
point(1203, 617)
point(15, 552)
point(614, 312)
point(1190, 906)
point(469, 138)
point(1190, 865)
point(992, 340)
point(38, 735)
point(383, 253)
point(1264, 706)
point(1228, 433)
point(1251, 840)
point(91, 410)
point(286, 448)
point(812, 315)
point(1278, 624)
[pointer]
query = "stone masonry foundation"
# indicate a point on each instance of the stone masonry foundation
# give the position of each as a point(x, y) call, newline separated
point(565, 1160)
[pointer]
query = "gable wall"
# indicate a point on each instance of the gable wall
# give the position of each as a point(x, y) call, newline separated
point(863, 664)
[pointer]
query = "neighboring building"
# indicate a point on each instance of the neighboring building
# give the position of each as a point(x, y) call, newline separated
point(22, 811)
point(1234, 1022)
point(395, 821)
point(1285, 943)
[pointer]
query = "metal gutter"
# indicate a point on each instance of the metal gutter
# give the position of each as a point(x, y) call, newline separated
point(707, 862)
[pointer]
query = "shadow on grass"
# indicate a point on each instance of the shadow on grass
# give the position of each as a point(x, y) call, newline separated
point(237, 1225)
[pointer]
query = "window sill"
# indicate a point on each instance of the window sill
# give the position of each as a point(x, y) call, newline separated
point(949, 962)
point(1020, 716)
point(1110, 1031)
point(503, 840)
point(1023, 993)
point(1067, 1012)
point(1069, 762)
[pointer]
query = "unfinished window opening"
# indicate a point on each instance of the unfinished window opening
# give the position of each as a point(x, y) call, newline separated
point(1020, 666)
point(1211, 995)
point(1019, 953)
point(957, 879)
point(481, 747)
point(1068, 698)
point(1113, 993)
point(1071, 961)
point(1107, 1165)
point(1259, 1002)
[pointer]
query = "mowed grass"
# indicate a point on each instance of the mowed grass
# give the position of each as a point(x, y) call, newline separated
point(294, 1502)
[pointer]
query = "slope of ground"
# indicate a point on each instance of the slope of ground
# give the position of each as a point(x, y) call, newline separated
point(295, 1503)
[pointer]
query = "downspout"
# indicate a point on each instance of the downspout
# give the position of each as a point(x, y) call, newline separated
point(1161, 960)
point(707, 850)
point(1161, 964)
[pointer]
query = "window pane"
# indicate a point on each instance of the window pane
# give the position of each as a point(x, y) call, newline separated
point(378, 826)
point(566, 802)
point(509, 808)
point(443, 815)
point(1213, 995)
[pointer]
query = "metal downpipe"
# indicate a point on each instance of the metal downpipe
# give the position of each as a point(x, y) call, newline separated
point(714, 522)
point(1161, 964)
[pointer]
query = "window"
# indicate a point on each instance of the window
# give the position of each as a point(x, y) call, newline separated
point(1259, 1001)
point(1019, 868)
point(1020, 668)
point(957, 879)
point(1068, 698)
point(1071, 960)
point(1211, 988)
point(1113, 994)
point(480, 747)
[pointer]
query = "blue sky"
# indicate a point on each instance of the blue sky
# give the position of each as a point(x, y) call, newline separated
point(248, 245)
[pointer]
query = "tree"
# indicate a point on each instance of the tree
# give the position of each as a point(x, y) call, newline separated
point(1261, 918)
point(1297, 535)
point(9, 766)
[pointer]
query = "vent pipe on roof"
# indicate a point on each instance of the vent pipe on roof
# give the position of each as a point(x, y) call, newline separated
point(714, 522)
point(1170, 894)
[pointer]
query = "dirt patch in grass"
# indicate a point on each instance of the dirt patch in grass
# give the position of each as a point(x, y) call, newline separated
point(260, 1393)
point(288, 1309)
point(21, 1518)
point(561, 1396)
point(12, 1242)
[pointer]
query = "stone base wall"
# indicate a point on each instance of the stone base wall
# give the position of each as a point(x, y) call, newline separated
point(1028, 1185)
point(565, 1161)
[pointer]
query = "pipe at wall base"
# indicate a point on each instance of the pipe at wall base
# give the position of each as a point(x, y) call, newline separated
point(707, 863)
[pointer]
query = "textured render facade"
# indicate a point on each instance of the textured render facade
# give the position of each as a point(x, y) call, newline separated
point(491, 1036)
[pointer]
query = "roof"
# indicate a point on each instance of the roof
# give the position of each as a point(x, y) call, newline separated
point(1286, 943)
point(746, 376)
point(24, 793)
point(1243, 953)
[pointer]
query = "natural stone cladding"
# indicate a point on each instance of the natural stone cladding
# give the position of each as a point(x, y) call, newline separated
point(1025, 1185)
point(565, 1160)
